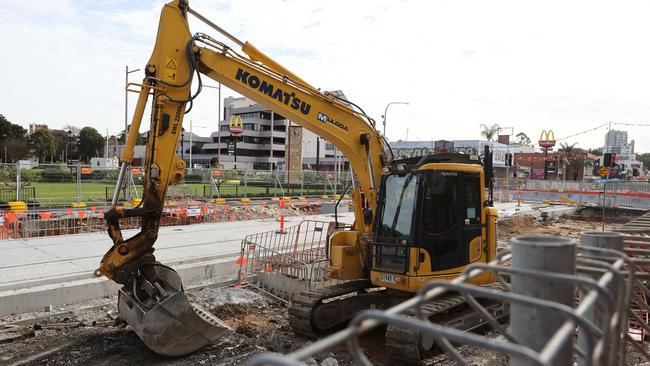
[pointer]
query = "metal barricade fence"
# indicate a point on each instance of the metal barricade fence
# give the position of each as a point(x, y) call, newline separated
point(555, 291)
point(57, 185)
point(68, 220)
point(67, 199)
point(626, 194)
point(284, 264)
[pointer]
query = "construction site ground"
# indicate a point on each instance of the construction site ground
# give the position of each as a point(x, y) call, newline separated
point(91, 332)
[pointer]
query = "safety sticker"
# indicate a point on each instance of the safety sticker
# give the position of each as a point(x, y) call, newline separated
point(171, 69)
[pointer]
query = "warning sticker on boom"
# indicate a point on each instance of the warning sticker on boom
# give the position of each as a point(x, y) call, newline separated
point(171, 69)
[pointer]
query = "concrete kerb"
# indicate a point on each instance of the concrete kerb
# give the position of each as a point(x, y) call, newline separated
point(84, 275)
point(37, 297)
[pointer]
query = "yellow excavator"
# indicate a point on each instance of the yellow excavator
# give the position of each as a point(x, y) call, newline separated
point(416, 220)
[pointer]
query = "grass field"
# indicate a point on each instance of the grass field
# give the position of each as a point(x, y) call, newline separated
point(58, 194)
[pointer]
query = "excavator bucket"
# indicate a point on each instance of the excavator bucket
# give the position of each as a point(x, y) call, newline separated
point(171, 325)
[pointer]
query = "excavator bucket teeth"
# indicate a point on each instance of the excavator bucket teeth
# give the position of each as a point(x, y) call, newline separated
point(173, 326)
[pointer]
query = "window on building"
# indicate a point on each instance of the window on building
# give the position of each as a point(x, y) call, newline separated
point(329, 146)
point(249, 115)
point(252, 140)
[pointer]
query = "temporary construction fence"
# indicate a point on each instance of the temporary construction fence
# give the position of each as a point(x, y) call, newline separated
point(567, 302)
point(40, 222)
point(627, 194)
point(286, 263)
point(56, 185)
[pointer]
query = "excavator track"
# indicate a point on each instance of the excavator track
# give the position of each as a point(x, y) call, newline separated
point(408, 347)
point(319, 312)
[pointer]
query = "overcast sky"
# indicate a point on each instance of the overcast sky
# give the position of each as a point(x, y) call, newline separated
point(531, 65)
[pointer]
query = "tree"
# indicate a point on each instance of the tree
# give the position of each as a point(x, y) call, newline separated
point(72, 130)
point(597, 151)
point(16, 149)
point(489, 132)
point(521, 140)
point(91, 143)
point(645, 159)
point(42, 144)
point(10, 130)
point(140, 141)
point(568, 150)
point(13, 144)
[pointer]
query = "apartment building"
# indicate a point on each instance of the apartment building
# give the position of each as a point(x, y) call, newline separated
point(268, 138)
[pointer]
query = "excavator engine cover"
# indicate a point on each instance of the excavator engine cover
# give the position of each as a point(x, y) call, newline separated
point(170, 326)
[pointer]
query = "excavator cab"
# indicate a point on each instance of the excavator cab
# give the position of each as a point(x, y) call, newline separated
point(431, 222)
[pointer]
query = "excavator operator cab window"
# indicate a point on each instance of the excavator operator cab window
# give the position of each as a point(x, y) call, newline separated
point(399, 202)
point(395, 225)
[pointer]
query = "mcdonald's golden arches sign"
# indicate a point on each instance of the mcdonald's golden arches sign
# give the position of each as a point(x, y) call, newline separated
point(236, 125)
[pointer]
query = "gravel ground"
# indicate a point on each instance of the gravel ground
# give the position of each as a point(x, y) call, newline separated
point(92, 333)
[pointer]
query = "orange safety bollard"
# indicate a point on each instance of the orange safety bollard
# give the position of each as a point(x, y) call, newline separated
point(281, 231)
point(518, 198)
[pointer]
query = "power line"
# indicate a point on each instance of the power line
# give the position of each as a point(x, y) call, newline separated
point(632, 124)
point(603, 125)
point(583, 132)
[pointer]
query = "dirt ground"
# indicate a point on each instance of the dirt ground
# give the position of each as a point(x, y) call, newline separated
point(91, 333)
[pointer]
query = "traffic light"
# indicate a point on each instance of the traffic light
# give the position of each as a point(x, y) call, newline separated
point(607, 160)
point(508, 159)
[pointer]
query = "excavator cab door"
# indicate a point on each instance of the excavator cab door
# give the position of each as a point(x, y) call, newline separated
point(449, 219)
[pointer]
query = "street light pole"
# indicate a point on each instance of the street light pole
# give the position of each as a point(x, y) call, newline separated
point(386, 111)
point(191, 144)
point(512, 132)
point(218, 121)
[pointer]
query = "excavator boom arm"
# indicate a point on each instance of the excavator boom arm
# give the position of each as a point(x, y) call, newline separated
point(152, 299)
point(177, 56)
